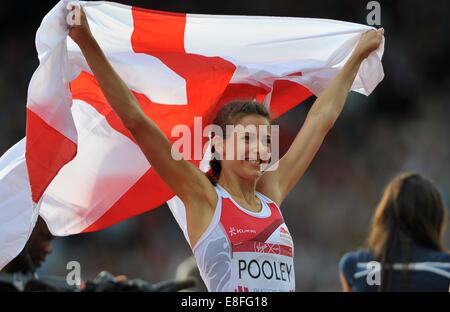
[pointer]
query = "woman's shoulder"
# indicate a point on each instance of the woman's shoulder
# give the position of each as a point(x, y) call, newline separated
point(348, 264)
point(429, 255)
point(360, 255)
point(442, 256)
point(445, 255)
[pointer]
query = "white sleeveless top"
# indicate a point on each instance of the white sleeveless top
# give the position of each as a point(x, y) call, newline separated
point(243, 251)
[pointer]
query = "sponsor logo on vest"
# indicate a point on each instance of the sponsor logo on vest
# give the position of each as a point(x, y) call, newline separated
point(267, 248)
point(233, 231)
point(270, 270)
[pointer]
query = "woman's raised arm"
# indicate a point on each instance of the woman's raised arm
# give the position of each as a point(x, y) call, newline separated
point(185, 179)
point(326, 109)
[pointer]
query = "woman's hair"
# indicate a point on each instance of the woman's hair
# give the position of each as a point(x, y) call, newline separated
point(230, 114)
point(411, 212)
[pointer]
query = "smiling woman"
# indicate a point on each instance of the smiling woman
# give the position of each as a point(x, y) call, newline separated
point(260, 136)
point(238, 194)
point(243, 150)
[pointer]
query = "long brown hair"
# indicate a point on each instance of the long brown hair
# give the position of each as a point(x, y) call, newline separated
point(229, 114)
point(411, 212)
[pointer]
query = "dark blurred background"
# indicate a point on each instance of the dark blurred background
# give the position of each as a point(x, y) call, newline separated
point(403, 126)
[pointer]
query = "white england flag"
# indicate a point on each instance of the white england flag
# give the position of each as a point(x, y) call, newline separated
point(79, 167)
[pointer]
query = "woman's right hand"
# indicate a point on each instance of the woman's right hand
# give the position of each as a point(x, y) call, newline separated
point(80, 31)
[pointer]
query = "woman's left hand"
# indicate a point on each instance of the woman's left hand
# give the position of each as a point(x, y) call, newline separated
point(369, 42)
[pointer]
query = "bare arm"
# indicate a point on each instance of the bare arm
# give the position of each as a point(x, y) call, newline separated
point(326, 109)
point(345, 285)
point(186, 180)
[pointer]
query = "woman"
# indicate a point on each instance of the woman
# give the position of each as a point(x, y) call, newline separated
point(235, 227)
point(405, 240)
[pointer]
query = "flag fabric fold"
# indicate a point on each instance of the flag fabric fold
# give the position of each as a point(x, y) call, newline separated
point(80, 168)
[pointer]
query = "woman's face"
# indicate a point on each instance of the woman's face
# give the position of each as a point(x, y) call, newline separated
point(247, 149)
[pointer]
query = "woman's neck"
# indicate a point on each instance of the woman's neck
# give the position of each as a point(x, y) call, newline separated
point(239, 188)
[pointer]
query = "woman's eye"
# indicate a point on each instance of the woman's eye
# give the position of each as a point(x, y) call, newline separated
point(247, 138)
point(267, 141)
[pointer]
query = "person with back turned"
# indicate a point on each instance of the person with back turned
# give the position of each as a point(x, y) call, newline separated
point(406, 241)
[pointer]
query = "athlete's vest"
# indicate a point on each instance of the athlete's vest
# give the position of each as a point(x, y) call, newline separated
point(245, 251)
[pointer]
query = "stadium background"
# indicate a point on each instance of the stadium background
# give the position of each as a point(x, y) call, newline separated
point(403, 125)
